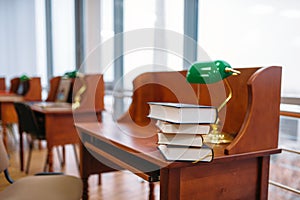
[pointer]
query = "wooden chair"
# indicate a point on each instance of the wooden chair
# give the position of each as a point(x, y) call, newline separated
point(29, 124)
point(43, 186)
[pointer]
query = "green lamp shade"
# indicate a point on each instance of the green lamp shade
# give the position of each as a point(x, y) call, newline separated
point(72, 74)
point(24, 78)
point(209, 72)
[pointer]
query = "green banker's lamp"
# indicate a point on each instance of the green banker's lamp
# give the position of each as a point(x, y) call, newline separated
point(80, 91)
point(213, 72)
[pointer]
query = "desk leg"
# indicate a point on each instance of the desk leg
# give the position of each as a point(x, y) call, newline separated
point(50, 158)
point(21, 151)
point(4, 130)
point(151, 191)
point(264, 177)
point(85, 159)
point(85, 192)
point(170, 183)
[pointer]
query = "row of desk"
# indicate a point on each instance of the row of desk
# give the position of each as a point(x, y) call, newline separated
point(58, 124)
point(59, 121)
point(240, 170)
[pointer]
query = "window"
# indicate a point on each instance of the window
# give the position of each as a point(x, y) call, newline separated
point(63, 36)
point(152, 22)
point(254, 33)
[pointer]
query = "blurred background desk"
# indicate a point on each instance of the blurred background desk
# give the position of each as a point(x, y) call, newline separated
point(59, 127)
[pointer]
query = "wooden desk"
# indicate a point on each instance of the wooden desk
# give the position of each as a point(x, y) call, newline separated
point(240, 170)
point(59, 128)
point(59, 122)
point(238, 176)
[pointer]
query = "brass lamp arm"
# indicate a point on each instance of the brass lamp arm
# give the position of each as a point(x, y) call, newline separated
point(228, 98)
point(77, 98)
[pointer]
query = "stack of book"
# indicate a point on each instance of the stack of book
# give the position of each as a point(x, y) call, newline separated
point(181, 127)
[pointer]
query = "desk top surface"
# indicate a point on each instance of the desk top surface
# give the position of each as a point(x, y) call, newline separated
point(58, 108)
point(142, 141)
point(51, 107)
point(6, 96)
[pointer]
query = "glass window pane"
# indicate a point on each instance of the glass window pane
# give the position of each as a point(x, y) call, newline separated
point(107, 33)
point(63, 36)
point(41, 53)
point(254, 33)
point(156, 18)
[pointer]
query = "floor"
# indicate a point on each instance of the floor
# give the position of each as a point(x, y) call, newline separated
point(115, 185)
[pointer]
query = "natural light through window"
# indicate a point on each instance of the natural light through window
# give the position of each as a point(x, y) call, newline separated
point(254, 33)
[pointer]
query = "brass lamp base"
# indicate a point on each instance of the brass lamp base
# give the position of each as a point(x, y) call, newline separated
point(217, 137)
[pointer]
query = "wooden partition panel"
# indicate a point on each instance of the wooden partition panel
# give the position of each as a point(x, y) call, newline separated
point(2, 83)
point(54, 83)
point(92, 97)
point(251, 90)
point(260, 127)
point(14, 85)
point(35, 90)
point(157, 86)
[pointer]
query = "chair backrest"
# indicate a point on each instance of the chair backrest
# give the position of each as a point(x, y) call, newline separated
point(14, 85)
point(2, 83)
point(27, 121)
point(54, 83)
point(4, 162)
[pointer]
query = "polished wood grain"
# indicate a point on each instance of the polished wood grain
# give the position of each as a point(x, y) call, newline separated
point(239, 170)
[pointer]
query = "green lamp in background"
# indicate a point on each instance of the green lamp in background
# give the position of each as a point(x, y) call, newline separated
point(213, 72)
point(72, 74)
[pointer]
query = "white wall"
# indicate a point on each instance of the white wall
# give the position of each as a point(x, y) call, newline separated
point(17, 38)
point(254, 33)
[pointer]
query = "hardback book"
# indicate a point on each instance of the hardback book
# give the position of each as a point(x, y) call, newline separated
point(183, 113)
point(181, 153)
point(167, 127)
point(189, 140)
